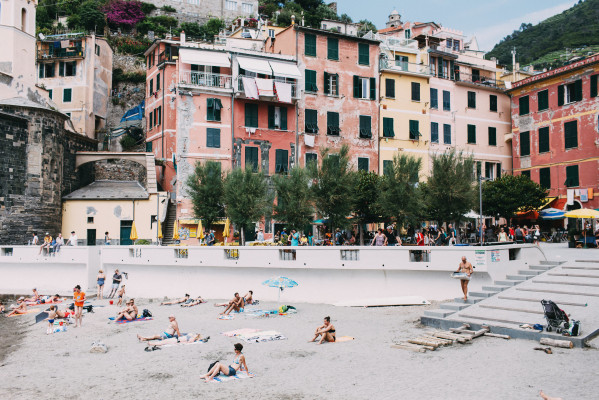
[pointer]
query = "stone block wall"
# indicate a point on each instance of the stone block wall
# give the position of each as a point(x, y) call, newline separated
point(120, 170)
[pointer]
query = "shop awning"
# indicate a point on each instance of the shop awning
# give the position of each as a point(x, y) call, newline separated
point(285, 70)
point(255, 65)
point(204, 57)
point(548, 200)
point(560, 204)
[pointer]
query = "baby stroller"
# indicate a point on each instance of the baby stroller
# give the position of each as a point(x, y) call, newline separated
point(555, 316)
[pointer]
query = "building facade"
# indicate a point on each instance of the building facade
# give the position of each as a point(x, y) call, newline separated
point(76, 70)
point(555, 132)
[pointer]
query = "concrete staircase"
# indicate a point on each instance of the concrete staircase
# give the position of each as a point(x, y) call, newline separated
point(169, 224)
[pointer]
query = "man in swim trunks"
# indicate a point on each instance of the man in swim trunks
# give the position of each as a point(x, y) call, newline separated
point(63, 314)
point(121, 294)
point(79, 298)
point(171, 332)
point(325, 331)
point(466, 268)
point(129, 312)
point(236, 304)
point(193, 302)
point(179, 301)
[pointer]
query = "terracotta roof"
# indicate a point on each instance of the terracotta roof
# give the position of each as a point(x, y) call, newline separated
point(397, 28)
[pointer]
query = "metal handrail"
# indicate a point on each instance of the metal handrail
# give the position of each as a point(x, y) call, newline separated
point(197, 78)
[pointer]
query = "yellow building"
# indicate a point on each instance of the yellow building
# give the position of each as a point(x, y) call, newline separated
point(405, 97)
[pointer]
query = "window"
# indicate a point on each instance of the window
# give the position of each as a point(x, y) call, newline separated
point(310, 45)
point(333, 123)
point(271, 33)
point(157, 81)
point(231, 5)
point(67, 68)
point(408, 33)
point(525, 173)
point(46, 70)
point(544, 139)
point(311, 121)
point(311, 81)
point(475, 75)
point(594, 85)
point(363, 164)
point(479, 166)
point(492, 102)
point(523, 105)
point(388, 127)
point(247, 8)
point(446, 100)
point(387, 167)
point(365, 126)
point(490, 169)
point(572, 176)
point(311, 157)
point(543, 99)
point(571, 134)
point(148, 147)
point(434, 99)
point(66, 95)
point(151, 89)
point(446, 134)
point(50, 93)
point(213, 138)
point(498, 165)
point(251, 115)
point(492, 136)
point(434, 132)
point(281, 161)
point(524, 144)
point(251, 158)
point(545, 178)
point(471, 99)
point(213, 107)
point(331, 84)
point(364, 88)
point(151, 119)
point(569, 93)
point(97, 50)
point(90, 220)
point(333, 48)
point(402, 62)
point(277, 118)
point(414, 130)
point(390, 88)
point(159, 110)
point(415, 91)
point(363, 54)
point(472, 134)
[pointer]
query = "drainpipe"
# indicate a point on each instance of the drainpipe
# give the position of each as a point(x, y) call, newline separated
point(233, 110)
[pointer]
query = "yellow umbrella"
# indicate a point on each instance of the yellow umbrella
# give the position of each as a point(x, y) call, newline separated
point(582, 213)
point(176, 231)
point(200, 230)
point(133, 235)
point(159, 230)
point(226, 230)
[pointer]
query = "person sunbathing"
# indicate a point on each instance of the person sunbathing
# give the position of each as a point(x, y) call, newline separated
point(50, 299)
point(171, 332)
point(194, 302)
point(248, 298)
point(238, 365)
point(63, 314)
point(179, 301)
point(185, 339)
point(36, 296)
point(325, 331)
point(129, 312)
point(21, 309)
point(236, 304)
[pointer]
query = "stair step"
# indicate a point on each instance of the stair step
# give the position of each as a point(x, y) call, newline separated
point(454, 306)
point(540, 267)
point(506, 283)
point(495, 289)
point(471, 300)
point(439, 313)
point(482, 294)
point(518, 277)
point(530, 272)
point(551, 262)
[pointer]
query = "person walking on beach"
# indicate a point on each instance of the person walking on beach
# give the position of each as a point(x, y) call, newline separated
point(238, 364)
point(466, 268)
point(79, 298)
point(326, 332)
point(101, 278)
point(171, 332)
point(116, 281)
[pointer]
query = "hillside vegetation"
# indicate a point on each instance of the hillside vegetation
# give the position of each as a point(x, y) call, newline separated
point(544, 45)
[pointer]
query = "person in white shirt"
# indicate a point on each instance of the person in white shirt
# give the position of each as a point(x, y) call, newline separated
point(260, 236)
point(35, 240)
point(59, 243)
point(72, 240)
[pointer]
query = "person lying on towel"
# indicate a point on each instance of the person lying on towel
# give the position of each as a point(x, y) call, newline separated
point(171, 332)
point(193, 302)
point(179, 301)
point(185, 339)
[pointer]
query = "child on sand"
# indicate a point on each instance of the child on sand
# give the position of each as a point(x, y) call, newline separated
point(51, 317)
point(121, 294)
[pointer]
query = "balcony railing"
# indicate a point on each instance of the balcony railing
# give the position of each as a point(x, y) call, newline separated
point(404, 66)
point(51, 53)
point(293, 83)
point(206, 79)
point(478, 79)
point(166, 56)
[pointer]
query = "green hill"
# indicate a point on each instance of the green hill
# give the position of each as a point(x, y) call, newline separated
point(544, 45)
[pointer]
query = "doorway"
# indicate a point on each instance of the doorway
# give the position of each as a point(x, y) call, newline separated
point(125, 234)
point(91, 237)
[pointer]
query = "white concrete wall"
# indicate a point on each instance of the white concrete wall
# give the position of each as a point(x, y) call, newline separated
point(322, 276)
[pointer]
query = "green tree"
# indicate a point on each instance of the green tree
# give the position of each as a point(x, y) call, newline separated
point(400, 195)
point(345, 18)
point(511, 193)
point(332, 186)
point(247, 198)
point(89, 17)
point(365, 27)
point(450, 192)
point(294, 199)
point(212, 28)
point(366, 206)
point(192, 29)
point(206, 189)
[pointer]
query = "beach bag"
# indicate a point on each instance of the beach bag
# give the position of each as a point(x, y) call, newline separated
point(573, 328)
point(211, 365)
point(146, 313)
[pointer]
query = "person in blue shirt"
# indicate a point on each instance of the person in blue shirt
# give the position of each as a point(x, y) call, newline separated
point(311, 239)
point(295, 237)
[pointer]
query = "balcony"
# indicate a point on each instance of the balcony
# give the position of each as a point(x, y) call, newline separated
point(479, 80)
point(57, 53)
point(205, 79)
point(406, 67)
point(168, 55)
point(292, 82)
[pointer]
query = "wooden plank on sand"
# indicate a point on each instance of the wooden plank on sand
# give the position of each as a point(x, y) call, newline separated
point(557, 343)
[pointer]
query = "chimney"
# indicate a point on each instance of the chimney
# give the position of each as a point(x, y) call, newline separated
point(182, 37)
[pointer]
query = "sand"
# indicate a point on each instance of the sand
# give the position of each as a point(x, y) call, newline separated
point(59, 365)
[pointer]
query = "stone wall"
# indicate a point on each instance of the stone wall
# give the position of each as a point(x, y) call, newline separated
point(120, 170)
point(37, 167)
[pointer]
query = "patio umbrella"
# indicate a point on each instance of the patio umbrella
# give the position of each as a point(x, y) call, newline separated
point(176, 231)
point(227, 227)
point(133, 235)
point(551, 214)
point(281, 283)
point(200, 233)
point(583, 213)
point(159, 230)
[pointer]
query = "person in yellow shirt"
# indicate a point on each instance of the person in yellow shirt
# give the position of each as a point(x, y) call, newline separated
point(47, 243)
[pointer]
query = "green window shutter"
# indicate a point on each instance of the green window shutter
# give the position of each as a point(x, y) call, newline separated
point(498, 175)
point(414, 130)
point(544, 139)
point(50, 93)
point(543, 100)
point(524, 144)
point(578, 90)
point(327, 88)
point(451, 70)
point(492, 136)
point(333, 48)
point(284, 118)
point(61, 68)
point(311, 157)
point(525, 173)
point(251, 158)
point(479, 168)
point(311, 121)
point(434, 132)
point(434, 98)
point(372, 88)
point(545, 178)
point(446, 134)
point(357, 87)
point(440, 68)
point(390, 88)
point(572, 176)
point(415, 91)
point(332, 123)
point(210, 109)
point(281, 161)
point(388, 127)
point(213, 137)
point(311, 81)
point(523, 105)
point(337, 86)
point(561, 90)
point(472, 134)
point(365, 126)
point(148, 147)
point(363, 164)
point(66, 95)
point(218, 107)
point(446, 100)
point(594, 85)
point(271, 117)
point(493, 102)
point(387, 167)
point(363, 54)
point(310, 45)
point(471, 99)
point(571, 134)
point(251, 115)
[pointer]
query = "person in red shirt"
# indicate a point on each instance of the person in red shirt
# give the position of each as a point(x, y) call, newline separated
point(79, 298)
point(419, 239)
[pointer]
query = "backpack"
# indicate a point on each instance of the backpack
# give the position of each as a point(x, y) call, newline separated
point(146, 313)
point(573, 329)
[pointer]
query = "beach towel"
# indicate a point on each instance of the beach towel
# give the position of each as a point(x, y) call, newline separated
point(33, 310)
point(250, 88)
point(238, 375)
point(265, 87)
point(124, 321)
point(343, 339)
point(283, 92)
point(239, 332)
point(268, 313)
point(226, 317)
point(261, 337)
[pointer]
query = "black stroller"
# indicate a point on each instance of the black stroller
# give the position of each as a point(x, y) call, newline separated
point(555, 316)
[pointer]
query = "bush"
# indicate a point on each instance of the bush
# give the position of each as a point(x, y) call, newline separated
point(147, 8)
point(119, 76)
point(142, 242)
point(129, 45)
point(127, 142)
point(168, 9)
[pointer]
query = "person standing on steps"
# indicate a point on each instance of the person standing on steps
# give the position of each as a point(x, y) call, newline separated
point(466, 268)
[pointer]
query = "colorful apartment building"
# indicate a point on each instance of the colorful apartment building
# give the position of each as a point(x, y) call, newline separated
point(76, 70)
point(339, 103)
point(555, 132)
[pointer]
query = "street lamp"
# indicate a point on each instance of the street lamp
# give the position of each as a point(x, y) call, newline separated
point(480, 198)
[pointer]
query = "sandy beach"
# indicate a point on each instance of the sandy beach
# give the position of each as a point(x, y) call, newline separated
point(50, 366)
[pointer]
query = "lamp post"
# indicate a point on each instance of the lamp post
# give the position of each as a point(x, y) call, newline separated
point(480, 198)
